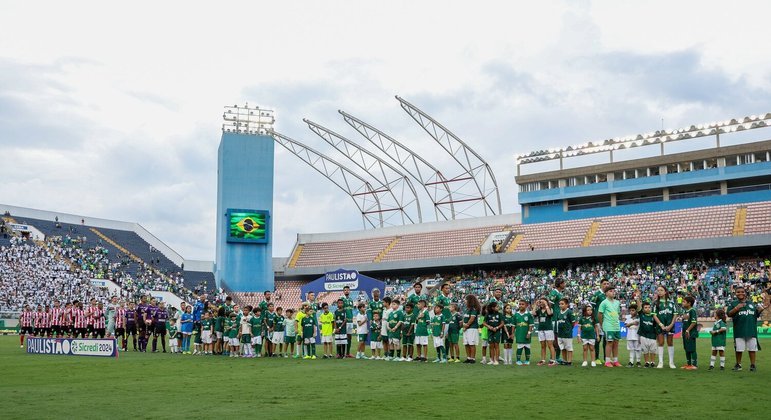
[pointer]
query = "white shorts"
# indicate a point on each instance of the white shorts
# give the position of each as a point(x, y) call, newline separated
point(234, 341)
point(484, 343)
point(471, 337)
point(327, 339)
point(721, 348)
point(565, 344)
point(257, 340)
point(384, 330)
point(311, 340)
point(546, 335)
point(438, 342)
point(523, 346)
point(395, 342)
point(219, 335)
point(648, 345)
point(589, 341)
point(374, 345)
point(278, 337)
point(746, 344)
point(421, 340)
point(206, 337)
point(350, 328)
point(632, 345)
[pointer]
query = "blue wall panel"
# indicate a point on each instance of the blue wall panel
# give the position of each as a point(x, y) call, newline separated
point(541, 214)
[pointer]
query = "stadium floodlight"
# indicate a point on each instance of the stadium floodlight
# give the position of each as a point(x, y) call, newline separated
point(248, 120)
point(657, 137)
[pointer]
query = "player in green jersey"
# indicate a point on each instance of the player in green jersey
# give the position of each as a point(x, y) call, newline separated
point(268, 324)
point(422, 320)
point(207, 329)
point(589, 334)
point(494, 323)
point(232, 327)
point(408, 332)
point(256, 323)
point(690, 332)
point(664, 315)
point(278, 333)
point(375, 339)
point(595, 301)
point(417, 294)
point(471, 328)
point(647, 333)
point(610, 310)
point(554, 297)
point(308, 328)
point(718, 334)
point(744, 314)
point(437, 331)
point(452, 332)
point(564, 321)
point(523, 330)
point(543, 315)
point(443, 299)
point(395, 321)
point(375, 305)
point(507, 334)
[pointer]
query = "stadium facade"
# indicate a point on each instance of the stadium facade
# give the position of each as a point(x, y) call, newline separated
point(718, 198)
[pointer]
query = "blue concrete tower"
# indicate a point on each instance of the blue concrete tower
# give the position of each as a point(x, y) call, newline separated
point(245, 202)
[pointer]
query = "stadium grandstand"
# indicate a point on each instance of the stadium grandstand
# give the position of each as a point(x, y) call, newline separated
point(99, 257)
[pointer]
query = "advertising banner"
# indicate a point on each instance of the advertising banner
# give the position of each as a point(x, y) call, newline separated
point(99, 347)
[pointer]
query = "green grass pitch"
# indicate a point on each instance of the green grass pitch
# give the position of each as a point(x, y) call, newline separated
point(160, 386)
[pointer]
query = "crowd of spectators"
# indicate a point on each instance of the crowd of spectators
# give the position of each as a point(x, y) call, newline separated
point(708, 280)
point(30, 273)
point(63, 268)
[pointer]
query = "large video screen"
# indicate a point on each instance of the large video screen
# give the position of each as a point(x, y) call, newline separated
point(248, 225)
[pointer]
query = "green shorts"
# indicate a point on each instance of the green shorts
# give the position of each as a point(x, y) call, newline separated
point(612, 335)
point(246, 339)
point(290, 339)
point(494, 337)
point(453, 337)
point(408, 340)
point(362, 338)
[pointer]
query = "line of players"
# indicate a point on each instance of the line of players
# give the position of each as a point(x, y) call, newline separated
point(401, 332)
point(73, 320)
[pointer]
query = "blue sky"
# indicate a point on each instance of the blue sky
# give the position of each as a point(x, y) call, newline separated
point(114, 111)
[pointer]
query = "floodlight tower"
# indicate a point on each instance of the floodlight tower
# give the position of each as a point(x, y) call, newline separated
point(245, 188)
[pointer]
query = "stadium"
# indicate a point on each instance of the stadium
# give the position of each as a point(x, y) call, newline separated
point(632, 279)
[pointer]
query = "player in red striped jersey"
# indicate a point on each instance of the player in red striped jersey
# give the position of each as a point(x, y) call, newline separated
point(27, 323)
point(120, 325)
point(39, 331)
point(98, 317)
point(56, 319)
point(90, 312)
point(78, 320)
point(47, 321)
point(67, 320)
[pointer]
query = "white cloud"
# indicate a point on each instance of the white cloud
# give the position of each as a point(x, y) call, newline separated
point(113, 111)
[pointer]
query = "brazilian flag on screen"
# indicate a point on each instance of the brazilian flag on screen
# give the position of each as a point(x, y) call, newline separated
point(248, 226)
